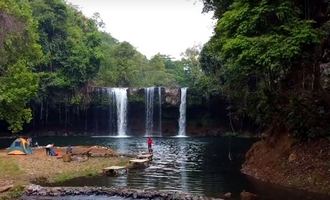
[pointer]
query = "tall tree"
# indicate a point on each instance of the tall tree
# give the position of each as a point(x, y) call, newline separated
point(19, 53)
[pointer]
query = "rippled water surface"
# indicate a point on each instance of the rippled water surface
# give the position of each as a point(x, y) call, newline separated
point(195, 165)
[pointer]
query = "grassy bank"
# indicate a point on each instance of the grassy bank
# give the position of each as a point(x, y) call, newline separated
point(24, 169)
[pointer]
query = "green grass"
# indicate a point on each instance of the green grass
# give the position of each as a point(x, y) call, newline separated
point(14, 193)
point(89, 170)
point(70, 175)
point(9, 167)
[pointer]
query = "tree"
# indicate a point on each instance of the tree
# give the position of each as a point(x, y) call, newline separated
point(259, 53)
point(71, 44)
point(19, 53)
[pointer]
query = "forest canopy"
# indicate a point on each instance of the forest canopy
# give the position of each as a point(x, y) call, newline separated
point(267, 57)
point(51, 54)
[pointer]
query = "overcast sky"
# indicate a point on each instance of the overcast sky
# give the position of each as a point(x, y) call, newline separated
point(153, 26)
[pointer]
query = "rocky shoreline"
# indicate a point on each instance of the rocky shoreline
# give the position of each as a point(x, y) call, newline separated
point(39, 191)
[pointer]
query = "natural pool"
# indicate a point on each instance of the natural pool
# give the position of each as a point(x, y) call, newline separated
point(194, 165)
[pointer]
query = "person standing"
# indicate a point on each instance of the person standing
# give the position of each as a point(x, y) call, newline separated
point(149, 142)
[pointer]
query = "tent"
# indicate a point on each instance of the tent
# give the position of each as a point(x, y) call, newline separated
point(19, 147)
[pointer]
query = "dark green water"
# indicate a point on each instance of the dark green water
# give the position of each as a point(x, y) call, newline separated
point(194, 165)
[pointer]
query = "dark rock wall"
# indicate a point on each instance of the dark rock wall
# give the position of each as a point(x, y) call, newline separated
point(97, 118)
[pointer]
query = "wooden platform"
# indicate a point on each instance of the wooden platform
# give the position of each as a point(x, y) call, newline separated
point(114, 170)
point(145, 156)
point(139, 163)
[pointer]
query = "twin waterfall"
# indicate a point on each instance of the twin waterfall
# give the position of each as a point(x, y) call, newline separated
point(118, 110)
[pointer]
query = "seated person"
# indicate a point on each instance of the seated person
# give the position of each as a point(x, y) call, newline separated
point(48, 147)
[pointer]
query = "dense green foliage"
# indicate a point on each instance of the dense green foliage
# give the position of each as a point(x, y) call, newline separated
point(124, 66)
point(71, 47)
point(265, 55)
point(51, 55)
point(19, 53)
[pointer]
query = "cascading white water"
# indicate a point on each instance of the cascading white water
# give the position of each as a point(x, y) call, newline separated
point(120, 95)
point(112, 111)
point(149, 103)
point(182, 119)
point(160, 110)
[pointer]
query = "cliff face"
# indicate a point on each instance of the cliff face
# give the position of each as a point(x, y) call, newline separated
point(99, 116)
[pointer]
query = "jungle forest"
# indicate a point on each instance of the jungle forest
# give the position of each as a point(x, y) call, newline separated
point(253, 102)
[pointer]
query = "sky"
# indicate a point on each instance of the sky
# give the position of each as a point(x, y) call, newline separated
point(153, 26)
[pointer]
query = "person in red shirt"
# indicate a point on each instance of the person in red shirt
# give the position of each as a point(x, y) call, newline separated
point(149, 142)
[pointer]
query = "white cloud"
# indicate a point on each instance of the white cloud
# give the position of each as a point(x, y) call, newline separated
point(152, 26)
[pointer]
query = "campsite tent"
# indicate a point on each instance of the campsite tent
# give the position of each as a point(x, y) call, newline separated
point(19, 147)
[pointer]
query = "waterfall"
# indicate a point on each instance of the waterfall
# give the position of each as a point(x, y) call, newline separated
point(149, 102)
point(119, 96)
point(112, 111)
point(160, 110)
point(182, 119)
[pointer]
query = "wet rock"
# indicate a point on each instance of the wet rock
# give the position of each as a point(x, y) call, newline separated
point(172, 96)
point(248, 196)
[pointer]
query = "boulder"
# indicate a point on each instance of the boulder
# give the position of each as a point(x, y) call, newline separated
point(172, 96)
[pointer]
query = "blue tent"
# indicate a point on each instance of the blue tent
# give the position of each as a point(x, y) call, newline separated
point(19, 147)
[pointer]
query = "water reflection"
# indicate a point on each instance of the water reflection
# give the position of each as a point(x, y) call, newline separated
point(194, 165)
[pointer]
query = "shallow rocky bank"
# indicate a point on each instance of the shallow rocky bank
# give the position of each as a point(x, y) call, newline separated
point(38, 191)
